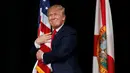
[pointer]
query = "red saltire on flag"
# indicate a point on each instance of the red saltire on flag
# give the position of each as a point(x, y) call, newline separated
point(44, 27)
point(103, 57)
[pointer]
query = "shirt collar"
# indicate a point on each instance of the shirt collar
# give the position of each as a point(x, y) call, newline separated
point(59, 28)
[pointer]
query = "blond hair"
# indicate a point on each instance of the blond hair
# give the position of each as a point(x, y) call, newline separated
point(59, 7)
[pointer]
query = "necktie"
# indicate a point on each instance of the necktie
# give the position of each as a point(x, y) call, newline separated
point(53, 34)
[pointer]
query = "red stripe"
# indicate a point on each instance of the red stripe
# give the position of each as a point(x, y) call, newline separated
point(41, 64)
point(103, 12)
point(44, 28)
point(111, 66)
point(43, 67)
point(95, 44)
point(44, 48)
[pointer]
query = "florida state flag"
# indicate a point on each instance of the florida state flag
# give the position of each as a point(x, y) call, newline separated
point(103, 57)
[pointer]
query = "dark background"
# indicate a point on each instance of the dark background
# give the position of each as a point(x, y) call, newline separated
point(20, 22)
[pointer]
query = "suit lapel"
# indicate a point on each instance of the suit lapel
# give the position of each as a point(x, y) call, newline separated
point(59, 34)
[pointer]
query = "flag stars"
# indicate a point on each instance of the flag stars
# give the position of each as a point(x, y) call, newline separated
point(44, 0)
point(46, 8)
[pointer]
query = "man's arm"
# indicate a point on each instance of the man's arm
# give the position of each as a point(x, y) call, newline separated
point(62, 51)
point(43, 39)
point(40, 40)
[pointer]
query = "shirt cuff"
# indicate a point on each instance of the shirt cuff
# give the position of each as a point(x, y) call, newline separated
point(36, 45)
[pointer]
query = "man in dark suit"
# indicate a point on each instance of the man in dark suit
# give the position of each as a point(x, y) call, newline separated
point(62, 57)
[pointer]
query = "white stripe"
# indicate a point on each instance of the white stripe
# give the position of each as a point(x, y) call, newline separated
point(48, 44)
point(95, 65)
point(109, 31)
point(41, 33)
point(96, 29)
point(44, 19)
point(49, 65)
point(34, 68)
point(98, 18)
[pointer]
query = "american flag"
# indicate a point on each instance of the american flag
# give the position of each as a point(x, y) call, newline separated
point(44, 27)
point(103, 58)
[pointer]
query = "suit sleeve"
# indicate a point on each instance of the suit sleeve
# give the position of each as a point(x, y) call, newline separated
point(66, 46)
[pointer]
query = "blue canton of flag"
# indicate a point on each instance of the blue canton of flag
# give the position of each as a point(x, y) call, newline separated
point(44, 5)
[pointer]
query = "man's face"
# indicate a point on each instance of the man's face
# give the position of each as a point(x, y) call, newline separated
point(56, 18)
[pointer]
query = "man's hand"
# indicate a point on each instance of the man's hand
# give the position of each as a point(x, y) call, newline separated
point(43, 39)
point(39, 55)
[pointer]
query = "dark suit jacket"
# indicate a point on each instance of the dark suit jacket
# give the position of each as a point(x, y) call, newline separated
point(63, 55)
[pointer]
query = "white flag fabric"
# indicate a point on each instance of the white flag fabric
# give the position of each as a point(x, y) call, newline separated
point(103, 57)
